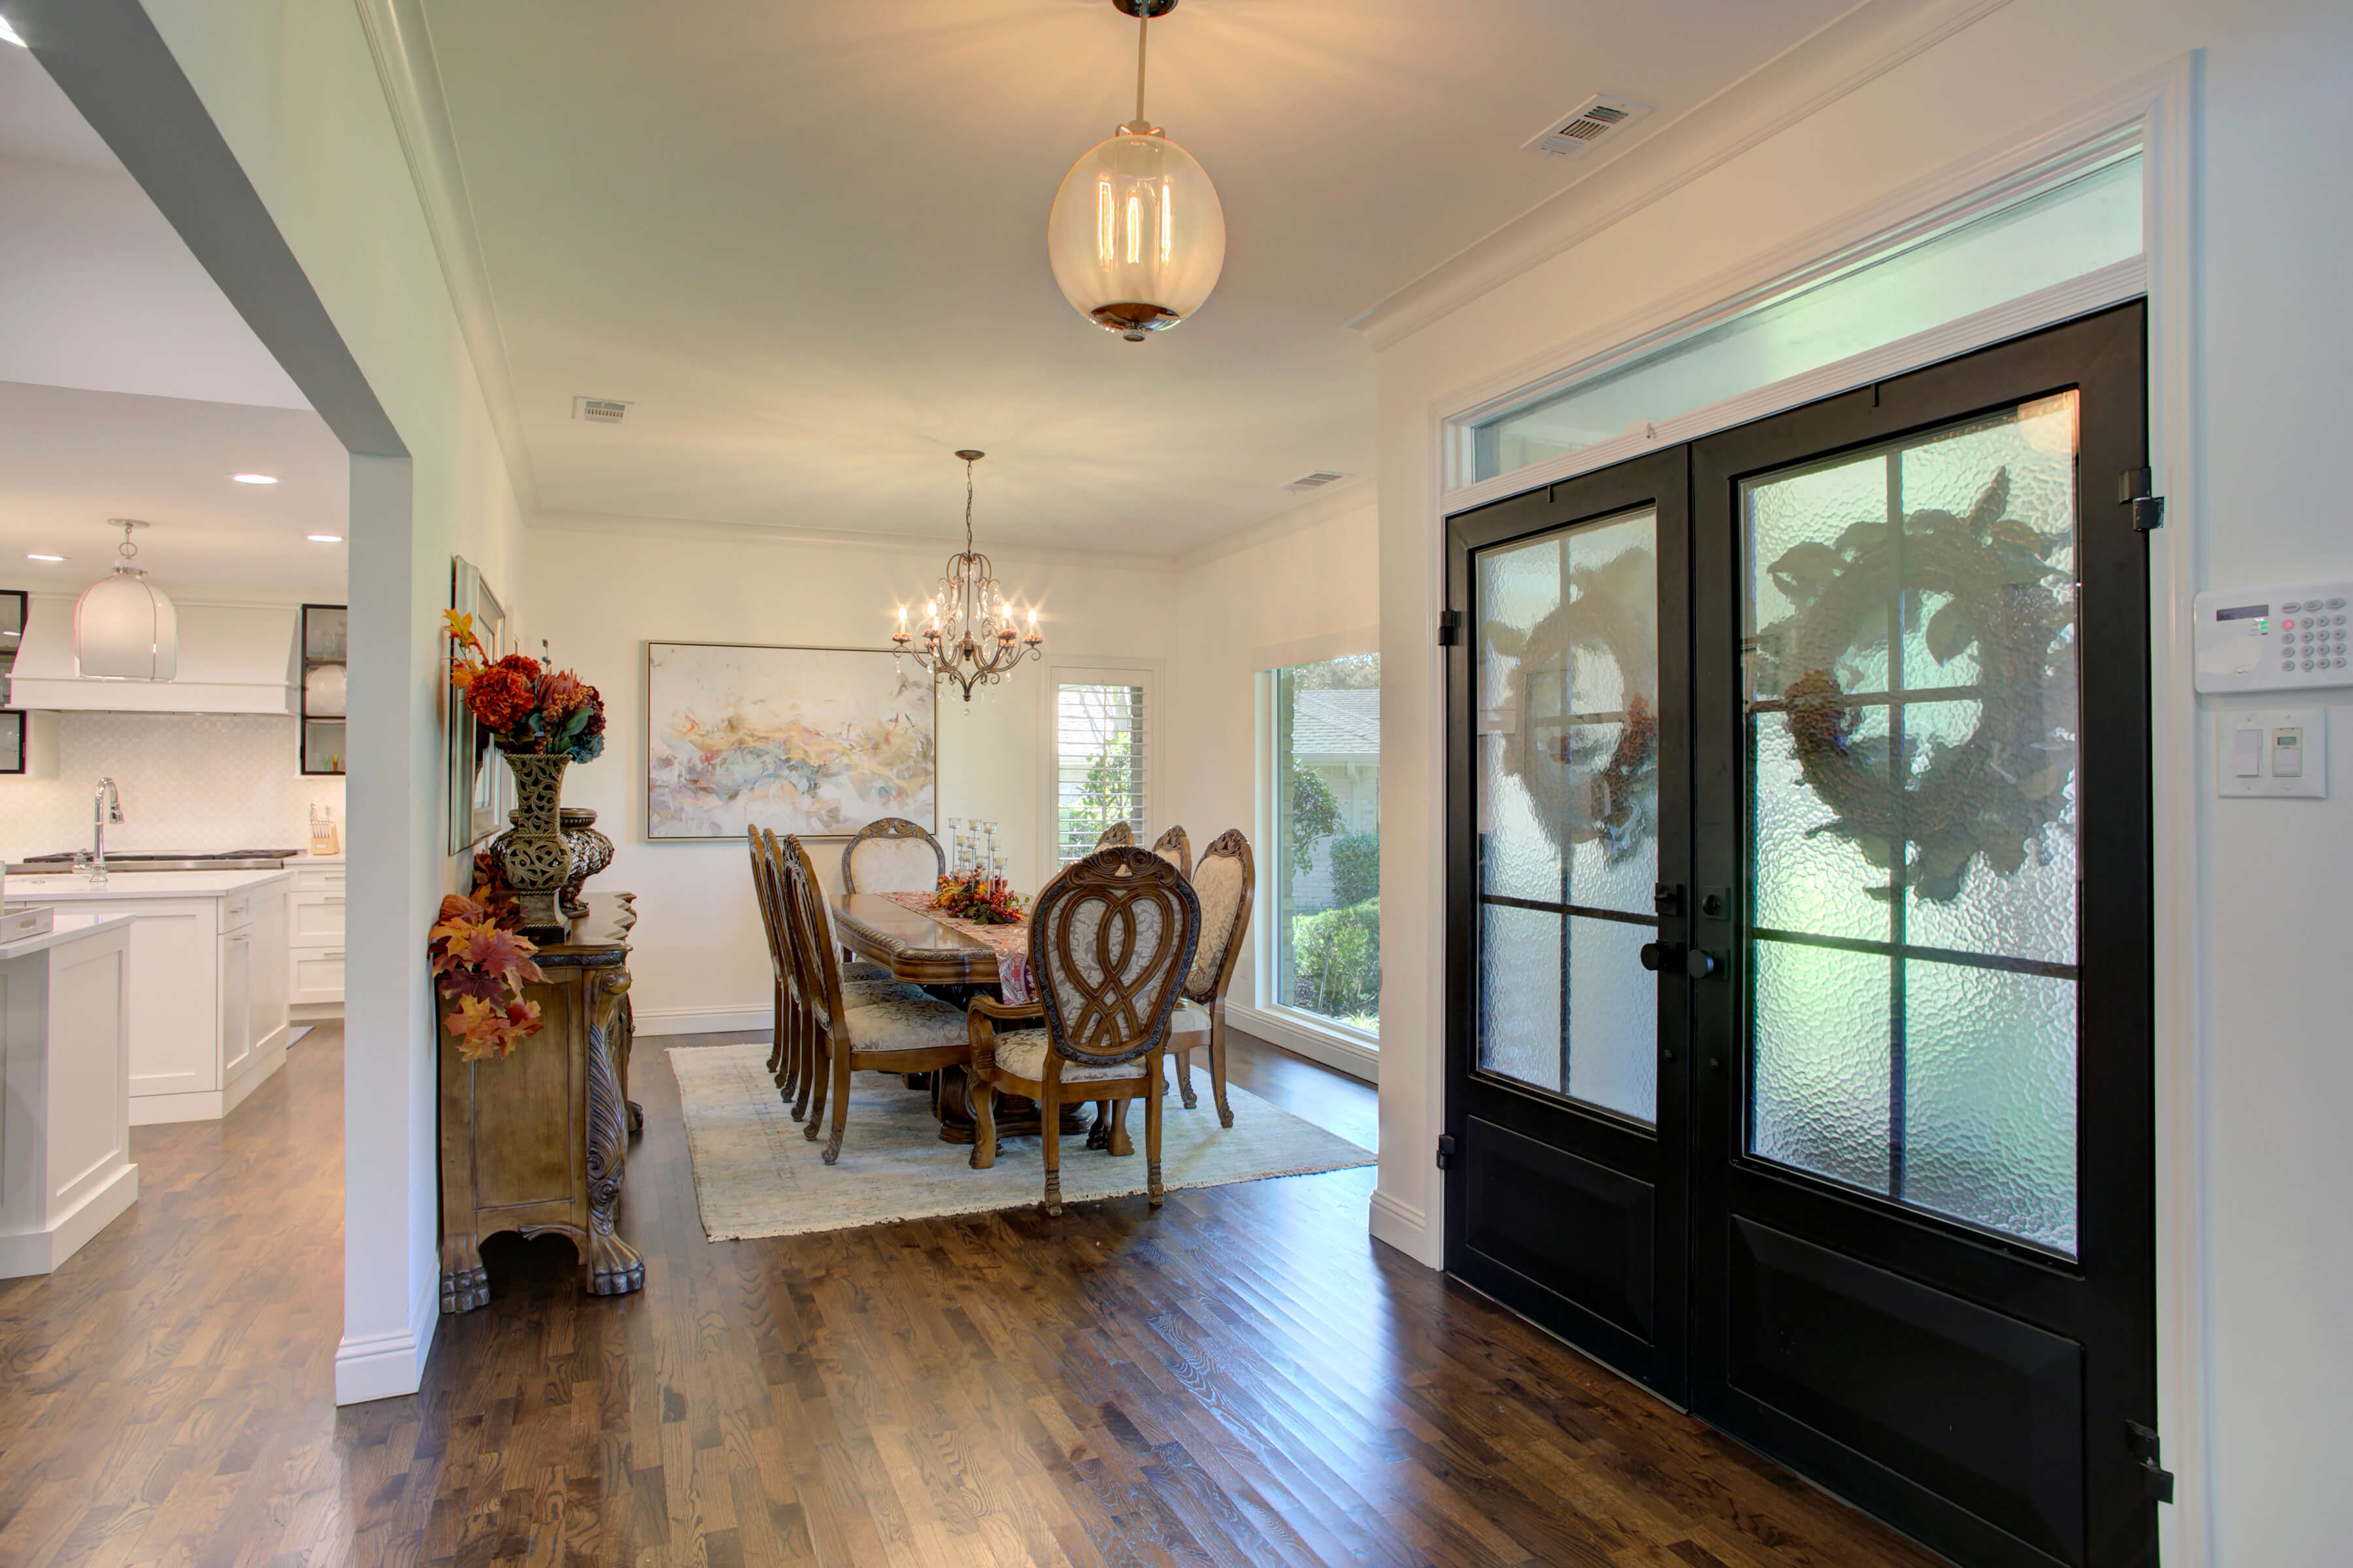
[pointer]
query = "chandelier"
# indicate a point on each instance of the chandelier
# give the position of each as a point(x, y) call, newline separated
point(969, 636)
point(1137, 237)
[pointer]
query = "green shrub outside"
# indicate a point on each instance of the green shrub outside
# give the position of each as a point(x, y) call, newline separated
point(1355, 867)
point(1336, 958)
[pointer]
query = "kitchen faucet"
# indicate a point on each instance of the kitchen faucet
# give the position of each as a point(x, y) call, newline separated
point(105, 806)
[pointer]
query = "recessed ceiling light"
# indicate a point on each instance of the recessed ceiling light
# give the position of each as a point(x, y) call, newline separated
point(9, 36)
point(31, 555)
point(324, 538)
point(255, 479)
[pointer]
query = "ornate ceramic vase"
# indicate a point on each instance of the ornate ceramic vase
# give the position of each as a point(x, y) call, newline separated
point(591, 853)
point(534, 854)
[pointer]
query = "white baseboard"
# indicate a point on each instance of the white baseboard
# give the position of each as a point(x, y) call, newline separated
point(40, 1251)
point(1405, 1227)
point(705, 1020)
point(388, 1366)
point(1335, 1050)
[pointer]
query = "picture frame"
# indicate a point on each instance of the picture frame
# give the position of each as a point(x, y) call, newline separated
point(481, 792)
point(813, 740)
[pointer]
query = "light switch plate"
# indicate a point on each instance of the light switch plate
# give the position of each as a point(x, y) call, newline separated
point(2272, 742)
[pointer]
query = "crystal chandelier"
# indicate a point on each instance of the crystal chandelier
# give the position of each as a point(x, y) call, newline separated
point(1137, 236)
point(968, 634)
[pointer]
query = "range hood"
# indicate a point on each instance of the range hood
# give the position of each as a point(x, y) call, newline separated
point(233, 660)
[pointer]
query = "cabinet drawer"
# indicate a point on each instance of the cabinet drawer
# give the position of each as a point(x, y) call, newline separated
point(237, 909)
point(314, 878)
point(318, 916)
point(318, 975)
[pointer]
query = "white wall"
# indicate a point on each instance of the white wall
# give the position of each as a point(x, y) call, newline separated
point(2258, 1384)
point(190, 782)
point(598, 597)
point(295, 92)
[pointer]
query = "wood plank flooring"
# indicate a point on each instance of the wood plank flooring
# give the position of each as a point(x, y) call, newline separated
point(1243, 1377)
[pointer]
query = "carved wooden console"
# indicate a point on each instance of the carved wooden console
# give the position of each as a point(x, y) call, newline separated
point(538, 1141)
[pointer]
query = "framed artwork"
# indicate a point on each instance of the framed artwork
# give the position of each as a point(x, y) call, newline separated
point(813, 740)
point(481, 791)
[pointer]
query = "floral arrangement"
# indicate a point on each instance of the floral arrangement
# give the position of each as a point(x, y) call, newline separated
point(523, 706)
point(481, 961)
point(977, 897)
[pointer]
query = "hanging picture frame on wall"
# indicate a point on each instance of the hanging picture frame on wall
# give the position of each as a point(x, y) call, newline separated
point(818, 741)
point(480, 792)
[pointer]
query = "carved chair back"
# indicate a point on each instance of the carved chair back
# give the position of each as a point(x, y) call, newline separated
point(1111, 940)
point(812, 934)
point(893, 854)
point(1177, 850)
point(1119, 834)
point(1222, 882)
point(764, 893)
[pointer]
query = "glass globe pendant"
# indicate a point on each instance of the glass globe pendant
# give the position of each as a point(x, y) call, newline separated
point(124, 629)
point(1137, 236)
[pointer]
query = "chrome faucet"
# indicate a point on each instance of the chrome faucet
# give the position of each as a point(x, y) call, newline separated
point(105, 806)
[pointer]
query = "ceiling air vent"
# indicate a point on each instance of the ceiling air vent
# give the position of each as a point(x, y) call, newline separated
point(599, 410)
point(1314, 481)
point(1596, 120)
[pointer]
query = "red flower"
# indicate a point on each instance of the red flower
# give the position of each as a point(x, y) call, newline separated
point(596, 712)
point(560, 691)
point(500, 696)
point(522, 664)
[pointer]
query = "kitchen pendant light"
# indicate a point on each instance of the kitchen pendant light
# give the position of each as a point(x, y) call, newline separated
point(1137, 237)
point(124, 627)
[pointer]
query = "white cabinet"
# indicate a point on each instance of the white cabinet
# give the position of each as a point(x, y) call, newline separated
point(315, 943)
point(65, 1139)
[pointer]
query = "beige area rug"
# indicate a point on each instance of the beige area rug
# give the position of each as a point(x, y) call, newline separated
point(756, 1175)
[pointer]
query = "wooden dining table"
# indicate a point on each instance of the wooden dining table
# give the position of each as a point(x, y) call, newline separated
point(954, 965)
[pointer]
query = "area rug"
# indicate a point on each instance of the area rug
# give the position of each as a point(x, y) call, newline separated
point(756, 1175)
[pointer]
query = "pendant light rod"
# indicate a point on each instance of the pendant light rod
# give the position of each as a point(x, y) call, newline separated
point(1143, 40)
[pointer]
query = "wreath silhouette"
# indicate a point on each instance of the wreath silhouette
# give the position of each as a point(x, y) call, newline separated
point(1987, 797)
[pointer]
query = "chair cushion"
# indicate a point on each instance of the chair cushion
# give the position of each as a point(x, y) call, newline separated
point(1217, 883)
point(1189, 1019)
point(1024, 1056)
point(867, 990)
point(905, 1024)
point(862, 969)
point(894, 866)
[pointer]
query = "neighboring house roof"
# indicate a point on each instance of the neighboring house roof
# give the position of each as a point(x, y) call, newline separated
point(1335, 724)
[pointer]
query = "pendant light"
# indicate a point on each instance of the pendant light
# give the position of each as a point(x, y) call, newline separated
point(969, 635)
point(1137, 237)
point(124, 629)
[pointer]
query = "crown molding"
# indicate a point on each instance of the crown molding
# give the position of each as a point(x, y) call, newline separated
point(1834, 60)
point(1333, 501)
point(402, 48)
point(629, 525)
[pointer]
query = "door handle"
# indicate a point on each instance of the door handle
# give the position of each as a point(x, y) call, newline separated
point(1700, 964)
point(1658, 956)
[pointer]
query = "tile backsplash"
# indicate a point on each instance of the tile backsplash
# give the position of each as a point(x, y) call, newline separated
point(193, 782)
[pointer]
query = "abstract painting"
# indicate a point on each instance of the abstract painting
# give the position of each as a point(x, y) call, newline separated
point(813, 740)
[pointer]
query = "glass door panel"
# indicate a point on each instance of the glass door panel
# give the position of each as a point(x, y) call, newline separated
point(1566, 676)
point(1911, 730)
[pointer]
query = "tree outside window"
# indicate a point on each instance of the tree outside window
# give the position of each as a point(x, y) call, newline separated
point(1327, 866)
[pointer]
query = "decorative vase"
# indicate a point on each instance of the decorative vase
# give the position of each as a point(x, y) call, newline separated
point(533, 855)
point(591, 853)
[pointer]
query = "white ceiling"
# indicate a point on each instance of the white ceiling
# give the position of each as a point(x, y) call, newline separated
point(805, 238)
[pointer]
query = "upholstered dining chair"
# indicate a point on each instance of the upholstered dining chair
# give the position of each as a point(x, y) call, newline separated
point(1118, 836)
point(1177, 850)
point(899, 1034)
point(1222, 882)
point(1110, 940)
point(862, 980)
point(893, 854)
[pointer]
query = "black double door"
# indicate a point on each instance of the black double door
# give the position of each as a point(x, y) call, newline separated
point(1798, 1021)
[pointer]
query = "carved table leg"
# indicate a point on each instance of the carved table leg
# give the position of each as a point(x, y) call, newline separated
point(614, 1268)
point(629, 1026)
point(465, 1285)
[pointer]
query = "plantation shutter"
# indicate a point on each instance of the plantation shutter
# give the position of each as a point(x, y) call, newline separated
point(1102, 765)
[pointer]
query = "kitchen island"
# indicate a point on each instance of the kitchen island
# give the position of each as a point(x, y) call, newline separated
point(208, 980)
point(65, 1139)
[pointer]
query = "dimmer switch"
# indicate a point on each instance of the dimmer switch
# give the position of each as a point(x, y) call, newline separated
point(2272, 752)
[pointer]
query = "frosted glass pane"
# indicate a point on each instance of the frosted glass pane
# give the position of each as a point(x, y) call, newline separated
point(1808, 878)
point(1990, 1099)
point(2077, 227)
point(1819, 1088)
point(1533, 964)
point(1567, 666)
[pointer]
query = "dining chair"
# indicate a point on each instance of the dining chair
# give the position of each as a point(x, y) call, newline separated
point(893, 854)
point(897, 1034)
point(862, 981)
point(1118, 836)
point(1177, 850)
point(1110, 940)
point(1222, 882)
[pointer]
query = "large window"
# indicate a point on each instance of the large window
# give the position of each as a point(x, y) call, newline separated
point(1323, 871)
point(1101, 760)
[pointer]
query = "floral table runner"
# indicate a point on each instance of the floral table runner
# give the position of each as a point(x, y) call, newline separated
point(1011, 942)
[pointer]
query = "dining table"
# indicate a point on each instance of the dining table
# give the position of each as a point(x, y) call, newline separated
point(954, 960)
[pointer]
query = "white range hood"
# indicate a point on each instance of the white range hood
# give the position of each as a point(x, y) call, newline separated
point(233, 660)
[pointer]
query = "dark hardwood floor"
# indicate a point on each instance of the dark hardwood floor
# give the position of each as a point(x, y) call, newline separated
point(1243, 1377)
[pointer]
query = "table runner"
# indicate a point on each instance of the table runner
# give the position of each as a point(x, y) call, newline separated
point(1011, 942)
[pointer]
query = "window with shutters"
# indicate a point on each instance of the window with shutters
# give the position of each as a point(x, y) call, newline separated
point(1102, 757)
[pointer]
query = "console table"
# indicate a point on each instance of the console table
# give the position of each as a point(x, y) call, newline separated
point(538, 1140)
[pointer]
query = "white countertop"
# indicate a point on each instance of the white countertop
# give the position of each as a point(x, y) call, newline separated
point(64, 928)
point(66, 888)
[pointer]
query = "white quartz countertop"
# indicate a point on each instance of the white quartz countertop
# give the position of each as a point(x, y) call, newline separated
point(64, 928)
point(67, 888)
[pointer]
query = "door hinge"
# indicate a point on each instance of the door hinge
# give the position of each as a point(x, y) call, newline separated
point(1450, 627)
point(1446, 1152)
point(2142, 1441)
point(2133, 487)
